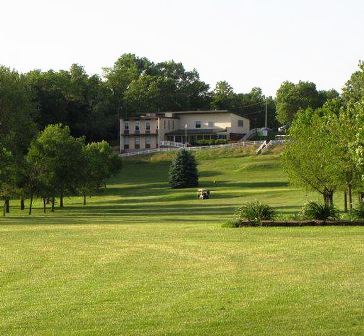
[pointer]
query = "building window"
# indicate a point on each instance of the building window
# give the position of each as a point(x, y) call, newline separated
point(137, 142)
point(210, 124)
point(126, 128)
point(137, 126)
point(126, 142)
point(240, 123)
point(172, 124)
point(198, 124)
point(147, 126)
point(148, 141)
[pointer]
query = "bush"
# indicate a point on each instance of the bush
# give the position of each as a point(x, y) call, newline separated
point(255, 212)
point(359, 211)
point(232, 223)
point(319, 211)
point(210, 142)
point(183, 170)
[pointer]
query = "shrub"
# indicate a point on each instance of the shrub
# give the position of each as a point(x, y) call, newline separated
point(255, 212)
point(319, 211)
point(359, 211)
point(210, 142)
point(232, 223)
point(183, 170)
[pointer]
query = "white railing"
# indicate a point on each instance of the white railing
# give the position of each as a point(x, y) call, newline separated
point(251, 133)
point(172, 144)
point(155, 150)
point(261, 147)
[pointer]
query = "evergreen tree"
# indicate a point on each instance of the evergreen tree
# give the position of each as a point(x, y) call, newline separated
point(183, 170)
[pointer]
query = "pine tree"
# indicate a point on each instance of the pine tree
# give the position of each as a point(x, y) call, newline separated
point(183, 171)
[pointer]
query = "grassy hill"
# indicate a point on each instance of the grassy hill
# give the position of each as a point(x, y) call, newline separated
point(142, 259)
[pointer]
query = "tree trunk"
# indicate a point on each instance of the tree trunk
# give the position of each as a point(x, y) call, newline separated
point(61, 200)
point(84, 198)
point(7, 205)
point(4, 210)
point(350, 192)
point(53, 201)
point(30, 204)
point(329, 198)
point(22, 203)
point(345, 201)
point(44, 205)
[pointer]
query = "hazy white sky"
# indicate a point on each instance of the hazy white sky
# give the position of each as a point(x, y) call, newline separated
point(248, 43)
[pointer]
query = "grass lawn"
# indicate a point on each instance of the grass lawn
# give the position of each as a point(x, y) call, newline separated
point(141, 259)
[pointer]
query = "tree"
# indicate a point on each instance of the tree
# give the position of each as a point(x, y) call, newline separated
point(16, 113)
point(353, 91)
point(293, 97)
point(223, 97)
point(57, 157)
point(100, 164)
point(7, 177)
point(357, 149)
point(73, 98)
point(343, 125)
point(311, 157)
point(183, 171)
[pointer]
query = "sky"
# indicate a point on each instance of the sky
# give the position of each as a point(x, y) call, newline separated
point(248, 43)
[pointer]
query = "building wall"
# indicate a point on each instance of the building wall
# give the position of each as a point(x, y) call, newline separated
point(175, 121)
point(227, 121)
point(166, 125)
point(132, 135)
point(234, 128)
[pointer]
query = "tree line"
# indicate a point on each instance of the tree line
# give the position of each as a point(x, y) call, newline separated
point(92, 104)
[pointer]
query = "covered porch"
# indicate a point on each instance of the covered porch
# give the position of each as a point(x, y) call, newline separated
point(192, 136)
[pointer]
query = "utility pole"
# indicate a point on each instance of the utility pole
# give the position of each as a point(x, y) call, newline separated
point(266, 113)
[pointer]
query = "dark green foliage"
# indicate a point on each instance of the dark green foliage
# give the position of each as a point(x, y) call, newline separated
point(210, 142)
point(294, 97)
point(183, 170)
point(358, 212)
point(319, 211)
point(255, 212)
point(100, 164)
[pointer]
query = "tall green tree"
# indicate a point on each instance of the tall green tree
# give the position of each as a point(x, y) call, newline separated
point(7, 177)
point(223, 97)
point(311, 158)
point(183, 170)
point(292, 97)
point(16, 113)
point(57, 157)
point(100, 164)
point(353, 90)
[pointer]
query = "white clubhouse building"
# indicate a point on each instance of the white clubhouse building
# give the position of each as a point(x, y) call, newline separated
point(153, 129)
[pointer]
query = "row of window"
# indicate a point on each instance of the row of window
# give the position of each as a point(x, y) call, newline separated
point(169, 123)
point(148, 140)
point(137, 126)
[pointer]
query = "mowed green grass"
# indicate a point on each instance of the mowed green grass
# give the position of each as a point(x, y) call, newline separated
point(142, 259)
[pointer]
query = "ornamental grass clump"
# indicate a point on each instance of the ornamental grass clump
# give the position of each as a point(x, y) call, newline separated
point(255, 212)
point(319, 211)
